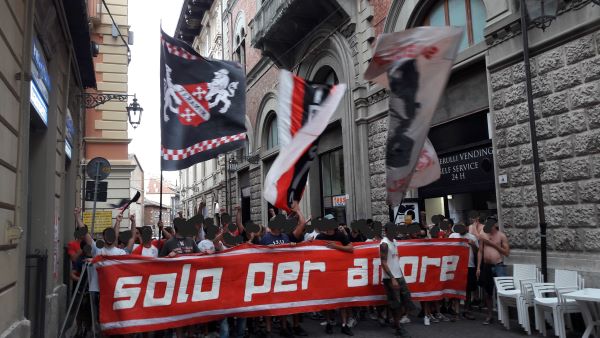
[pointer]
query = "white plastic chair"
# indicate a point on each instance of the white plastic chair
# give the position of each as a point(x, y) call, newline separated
point(507, 295)
point(524, 302)
point(504, 286)
point(565, 281)
point(565, 306)
point(542, 303)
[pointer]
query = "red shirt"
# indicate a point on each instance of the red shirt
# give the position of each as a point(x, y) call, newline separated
point(158, 243)
point(73, 247)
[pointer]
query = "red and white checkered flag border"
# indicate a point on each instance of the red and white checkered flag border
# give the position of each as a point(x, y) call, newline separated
point(178, 51)
point(182, 154)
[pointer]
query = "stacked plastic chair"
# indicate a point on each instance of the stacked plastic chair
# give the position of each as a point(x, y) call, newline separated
point(508, 291)
point(526, 300)
point(548, 298)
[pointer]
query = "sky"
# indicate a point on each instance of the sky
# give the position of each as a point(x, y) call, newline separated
point(144, 80)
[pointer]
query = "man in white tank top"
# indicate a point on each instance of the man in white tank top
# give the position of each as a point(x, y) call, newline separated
point(393, 280)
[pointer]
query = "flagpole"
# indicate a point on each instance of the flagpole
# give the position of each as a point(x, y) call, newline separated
point(161, 193)
point(226, 159)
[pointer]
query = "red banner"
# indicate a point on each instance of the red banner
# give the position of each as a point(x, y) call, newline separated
point(144, 294)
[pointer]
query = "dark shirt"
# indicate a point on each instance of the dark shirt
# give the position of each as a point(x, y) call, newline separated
point(359, 237)
point(269, 239)
point(337, 237)
point(180, 246)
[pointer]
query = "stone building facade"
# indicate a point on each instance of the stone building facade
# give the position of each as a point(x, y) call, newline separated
point(106, 133)
point(566, 91)
point(482, 114)
point(46, 66)
point(137, 185)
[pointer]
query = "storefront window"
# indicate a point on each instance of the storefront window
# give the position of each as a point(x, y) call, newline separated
point(333, 185)
point(469, 14)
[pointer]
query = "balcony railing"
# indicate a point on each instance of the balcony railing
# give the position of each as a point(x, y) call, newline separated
point(269, 13)
point(280, 25)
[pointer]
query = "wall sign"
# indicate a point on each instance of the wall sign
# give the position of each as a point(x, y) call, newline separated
point(69, 134)
point(103, 220)
point(339, 201)
point(463, 171)
point(401, 211)
point(40, 83)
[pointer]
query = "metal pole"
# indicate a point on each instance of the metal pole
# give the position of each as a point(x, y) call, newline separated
point(95, 196)
point(226, 163)
point(62, 330)
point(92, 307)
point(534, 147)
point(227, 185)
point(160, 198)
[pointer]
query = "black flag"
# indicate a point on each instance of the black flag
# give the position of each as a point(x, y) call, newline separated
point(202, 105)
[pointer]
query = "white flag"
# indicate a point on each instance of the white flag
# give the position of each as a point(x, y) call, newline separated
point(417, 63)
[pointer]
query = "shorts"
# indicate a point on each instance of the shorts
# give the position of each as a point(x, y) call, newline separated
point(472, 279)
point(487, 274)
point(398, 298)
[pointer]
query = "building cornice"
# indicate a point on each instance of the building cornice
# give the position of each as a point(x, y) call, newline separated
point(106, 140)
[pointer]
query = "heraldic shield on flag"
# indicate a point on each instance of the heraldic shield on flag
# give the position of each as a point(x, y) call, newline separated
point(202, 105)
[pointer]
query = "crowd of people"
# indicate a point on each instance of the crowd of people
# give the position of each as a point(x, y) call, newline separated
point(487, 244)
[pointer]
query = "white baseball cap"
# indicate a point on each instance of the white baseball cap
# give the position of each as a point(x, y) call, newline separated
point(206, 246)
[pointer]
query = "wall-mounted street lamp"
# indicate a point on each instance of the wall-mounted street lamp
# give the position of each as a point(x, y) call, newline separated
point(540, 13)
point(134, 110)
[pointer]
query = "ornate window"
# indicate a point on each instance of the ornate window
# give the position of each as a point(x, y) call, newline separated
point(240, 48)
point(469, 14)
point(326, 75)
point(272, 131)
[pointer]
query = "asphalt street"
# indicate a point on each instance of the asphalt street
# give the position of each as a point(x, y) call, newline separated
point(459, 329)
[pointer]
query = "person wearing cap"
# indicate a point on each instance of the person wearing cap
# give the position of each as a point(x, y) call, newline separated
point(461, 231)
point(206, 246)
point(493, 246)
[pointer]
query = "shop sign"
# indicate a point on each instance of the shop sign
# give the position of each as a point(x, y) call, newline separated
point(103, 220)
point(466, 164)
point(463, 171)
point(40, 82)
point(69, 134)
point(401, 211)
point(339, 201)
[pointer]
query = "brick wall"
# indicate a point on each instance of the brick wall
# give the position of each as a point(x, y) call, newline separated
point(381, 9)
point(248, 7)
point(566, 91)
point(256, 93)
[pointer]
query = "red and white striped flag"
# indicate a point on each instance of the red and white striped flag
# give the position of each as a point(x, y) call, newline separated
point(304, 112)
